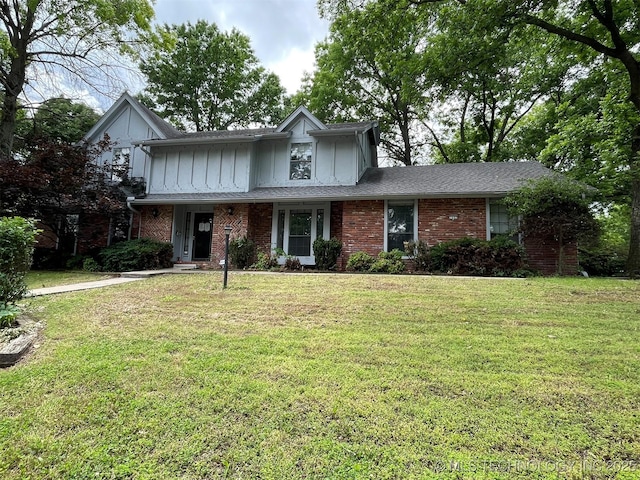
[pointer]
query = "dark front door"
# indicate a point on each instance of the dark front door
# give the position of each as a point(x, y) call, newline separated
point(202, 226)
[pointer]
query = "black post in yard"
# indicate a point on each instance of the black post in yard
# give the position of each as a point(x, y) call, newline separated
point(227, 232)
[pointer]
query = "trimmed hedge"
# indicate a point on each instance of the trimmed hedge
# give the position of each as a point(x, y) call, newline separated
point(140, 254)
point(327, 253)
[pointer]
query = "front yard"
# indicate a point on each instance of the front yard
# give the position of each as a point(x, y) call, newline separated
point(329, 376)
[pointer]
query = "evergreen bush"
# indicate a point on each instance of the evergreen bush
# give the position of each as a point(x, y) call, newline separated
point(327, 253)
point(242, 252)
point(140, 254)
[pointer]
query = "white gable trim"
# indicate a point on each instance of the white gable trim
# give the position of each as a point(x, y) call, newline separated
point(111, 114)
point(298, 112)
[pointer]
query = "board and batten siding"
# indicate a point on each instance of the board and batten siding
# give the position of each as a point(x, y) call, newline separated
point(215, 168)
point(127, 127)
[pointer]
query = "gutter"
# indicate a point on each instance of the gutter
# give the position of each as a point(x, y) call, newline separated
point(134, 211)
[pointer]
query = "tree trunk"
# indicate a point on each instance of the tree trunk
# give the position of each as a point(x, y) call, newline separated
point(13, 86)
point(633, 260)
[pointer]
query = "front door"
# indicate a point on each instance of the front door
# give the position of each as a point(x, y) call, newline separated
point(202, 227)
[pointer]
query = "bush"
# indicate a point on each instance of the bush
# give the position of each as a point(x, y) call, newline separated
point(91, 265)
point(265, 262)
point(140, 254)
point(360, 262)
point(242, 252)
point(49, 259)
point(599, 262)
point(420, 254)
point(471, 256)
point(327, 253)
point(17, 238)
point(292, 263)
point(388, 262)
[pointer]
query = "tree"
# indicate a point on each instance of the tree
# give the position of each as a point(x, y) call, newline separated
point(200, 77)
point(489, 76)
point(55, 181)
point(58, 119)
point(554, 206)
point(608, 29)
point(373, 65)
point(61, 37)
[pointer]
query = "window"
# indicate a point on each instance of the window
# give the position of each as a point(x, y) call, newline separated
point(120, 164)
point(500, 223)
point(300, 168)
point(295, 227)
point(400, 224)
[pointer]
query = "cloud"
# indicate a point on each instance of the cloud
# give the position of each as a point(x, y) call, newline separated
point(283, 33)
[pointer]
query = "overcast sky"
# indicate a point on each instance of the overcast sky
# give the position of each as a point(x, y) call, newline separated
point(283, 33)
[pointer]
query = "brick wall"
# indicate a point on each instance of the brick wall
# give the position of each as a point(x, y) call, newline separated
point(435, 226)
point(362, 227)
point(260, 224)
point(157, 227)
point(542, 255)
point(221, 217)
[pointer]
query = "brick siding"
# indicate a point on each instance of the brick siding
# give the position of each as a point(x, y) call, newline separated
point(157, 227)
point(436, 226)
point(260, 225)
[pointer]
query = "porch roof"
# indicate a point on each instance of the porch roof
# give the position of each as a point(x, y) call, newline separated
point(426, 181)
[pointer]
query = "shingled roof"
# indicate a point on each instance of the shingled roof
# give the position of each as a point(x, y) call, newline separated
point(478, 180)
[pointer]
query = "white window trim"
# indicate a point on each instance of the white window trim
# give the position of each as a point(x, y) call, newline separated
point(287, 207)
point(386, 220)
point(314, 155)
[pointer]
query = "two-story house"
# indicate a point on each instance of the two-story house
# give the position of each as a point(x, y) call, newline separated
point(285, 186)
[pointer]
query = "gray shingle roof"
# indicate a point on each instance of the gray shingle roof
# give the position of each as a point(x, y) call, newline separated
point(427, 181)
point(161, 125)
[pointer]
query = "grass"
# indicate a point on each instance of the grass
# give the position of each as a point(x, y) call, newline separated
point(329, 376)
point(48, 278)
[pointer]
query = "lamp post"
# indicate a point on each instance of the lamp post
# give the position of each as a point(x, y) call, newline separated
point(227, 232)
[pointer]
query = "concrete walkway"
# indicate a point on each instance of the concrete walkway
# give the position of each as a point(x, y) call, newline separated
point(124, 277)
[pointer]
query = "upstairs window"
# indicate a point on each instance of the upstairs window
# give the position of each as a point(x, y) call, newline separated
point(300, 166)
point(119, 164)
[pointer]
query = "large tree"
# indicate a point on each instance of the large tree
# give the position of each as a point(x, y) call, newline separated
point(373, 66)
point(61, 38)
point(58, 119)
point(200, 77)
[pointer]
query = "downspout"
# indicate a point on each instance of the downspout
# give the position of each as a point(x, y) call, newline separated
point(133, 211)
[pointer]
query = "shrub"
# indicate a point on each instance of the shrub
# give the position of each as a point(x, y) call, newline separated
point(242, 252)
point(292, 263)
point(471, 256)
point(420, 254)
point(17, 238)
point(360, 262)
point(265, 262)
point(327, 253)
point(599, 262)
point(388, 262)
point(90, 265)
point(140, 254)
point(49, 259)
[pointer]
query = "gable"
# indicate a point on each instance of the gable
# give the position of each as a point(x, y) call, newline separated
point(128, 119)
point(301, 121)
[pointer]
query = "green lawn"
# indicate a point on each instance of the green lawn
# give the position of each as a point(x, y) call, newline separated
point(47, 278)
point(329, 377)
